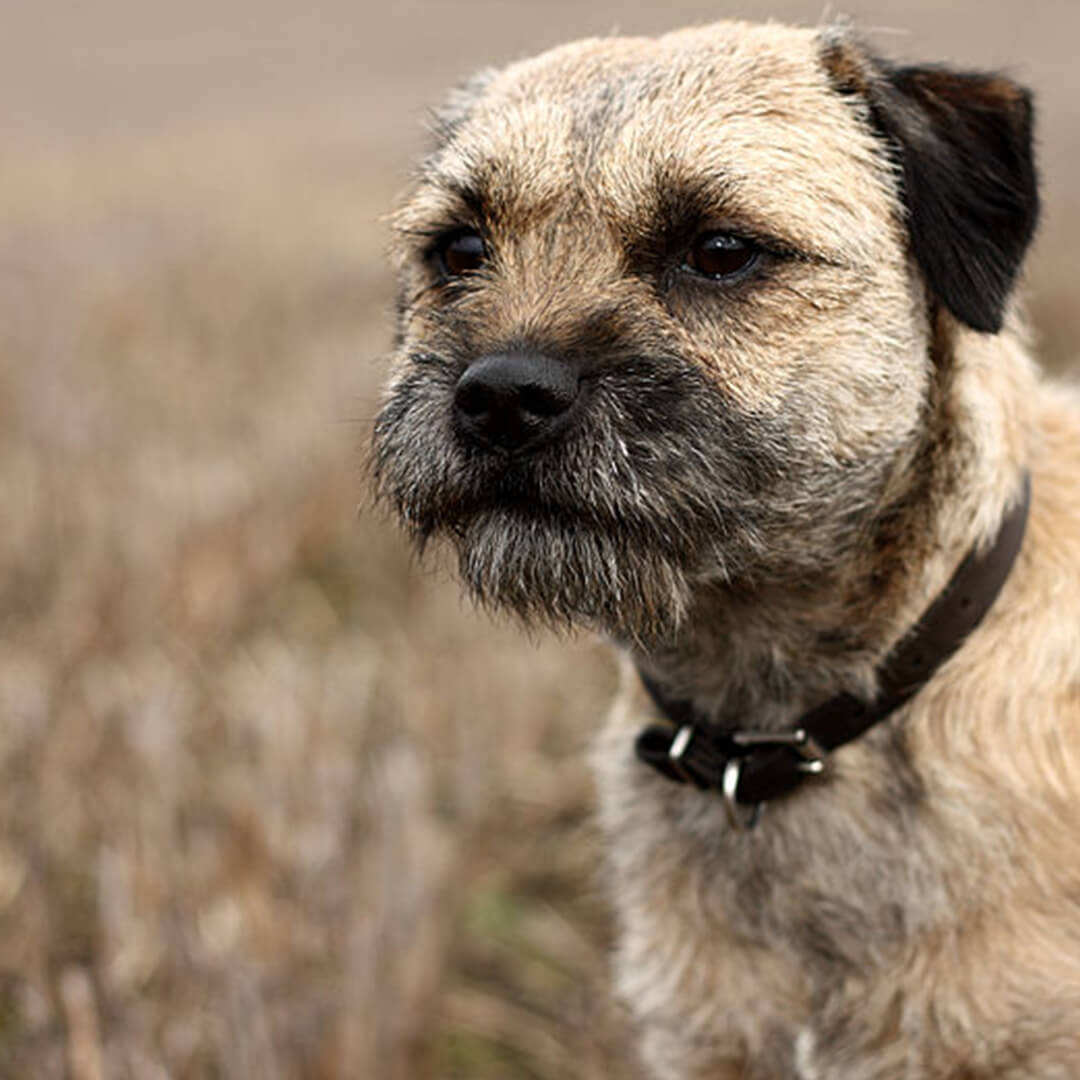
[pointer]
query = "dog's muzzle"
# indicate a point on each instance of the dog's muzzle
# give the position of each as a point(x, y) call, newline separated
point(515, 401)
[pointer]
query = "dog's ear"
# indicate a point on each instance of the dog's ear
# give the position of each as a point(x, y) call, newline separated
point(962, 142)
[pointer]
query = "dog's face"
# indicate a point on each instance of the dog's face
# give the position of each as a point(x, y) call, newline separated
point(665, 319)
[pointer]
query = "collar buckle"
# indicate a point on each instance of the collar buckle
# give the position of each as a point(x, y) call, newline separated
point(811, 752)
point(811, 761)
point(690, 743)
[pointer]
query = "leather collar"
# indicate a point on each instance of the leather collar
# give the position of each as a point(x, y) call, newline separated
point(750, 768)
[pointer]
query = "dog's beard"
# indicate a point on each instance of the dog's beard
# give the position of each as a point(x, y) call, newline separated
point(558, 570)
point(656, 485)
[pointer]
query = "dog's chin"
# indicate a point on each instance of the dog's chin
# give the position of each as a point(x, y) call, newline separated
point(558, 570)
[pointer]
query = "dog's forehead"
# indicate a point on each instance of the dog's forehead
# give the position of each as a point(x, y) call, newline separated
point(743, 113)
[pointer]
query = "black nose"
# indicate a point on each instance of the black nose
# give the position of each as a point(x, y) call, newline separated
point(515, 401)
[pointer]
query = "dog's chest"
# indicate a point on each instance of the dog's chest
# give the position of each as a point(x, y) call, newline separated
point(711, 999)
point(728, 941)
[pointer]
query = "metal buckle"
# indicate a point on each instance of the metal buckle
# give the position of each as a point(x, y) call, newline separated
point(812, 756)
point(812, 753)
point(813, 761)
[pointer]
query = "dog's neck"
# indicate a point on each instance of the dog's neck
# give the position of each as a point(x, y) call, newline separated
point(762, 653)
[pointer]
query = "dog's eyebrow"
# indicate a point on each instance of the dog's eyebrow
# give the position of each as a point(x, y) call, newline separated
point(680, 204)
point(441, 202)
point(456, 177)
point(466, 199)
point(483, 193)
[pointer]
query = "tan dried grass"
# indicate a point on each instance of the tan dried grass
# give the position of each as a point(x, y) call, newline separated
point(257, 818)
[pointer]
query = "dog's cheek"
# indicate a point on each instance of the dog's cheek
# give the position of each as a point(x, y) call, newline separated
point(864, 375)
point(837, 358)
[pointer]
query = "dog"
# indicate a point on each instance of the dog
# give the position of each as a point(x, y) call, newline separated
point(709, 343)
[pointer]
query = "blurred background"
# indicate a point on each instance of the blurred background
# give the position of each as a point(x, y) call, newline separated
point(274, 801)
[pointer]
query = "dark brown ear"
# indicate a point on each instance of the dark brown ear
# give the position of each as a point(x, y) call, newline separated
point(963, 145)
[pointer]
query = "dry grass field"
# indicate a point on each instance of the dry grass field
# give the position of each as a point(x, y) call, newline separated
point(274, 801)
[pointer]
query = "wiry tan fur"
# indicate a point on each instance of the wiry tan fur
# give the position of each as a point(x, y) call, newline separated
point(917, 914)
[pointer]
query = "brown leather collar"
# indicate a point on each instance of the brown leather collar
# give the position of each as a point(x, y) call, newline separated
point(750, 768)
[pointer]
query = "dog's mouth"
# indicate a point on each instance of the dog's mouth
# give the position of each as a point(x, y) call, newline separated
point(540, 490)
point(654, 484)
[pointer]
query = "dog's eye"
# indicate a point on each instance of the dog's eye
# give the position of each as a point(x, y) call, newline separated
point(460, 253)
point(721, 255)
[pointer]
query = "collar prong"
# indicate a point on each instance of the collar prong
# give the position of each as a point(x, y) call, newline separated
point(738, 818)
point(678, 747)
point(681, 742)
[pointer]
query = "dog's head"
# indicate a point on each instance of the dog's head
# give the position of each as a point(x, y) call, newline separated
point(671, 310)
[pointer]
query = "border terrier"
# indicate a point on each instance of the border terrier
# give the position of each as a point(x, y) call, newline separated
point(708, 342)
